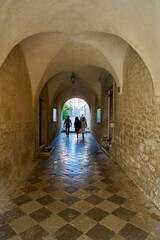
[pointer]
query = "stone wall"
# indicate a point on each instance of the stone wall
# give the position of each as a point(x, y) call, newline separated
point(45, 119)
point(104, 115)
point(137, 130)
point(95, 128)
point(56, 126)
point(50, 129)
point(17, 121)
point(100, 130)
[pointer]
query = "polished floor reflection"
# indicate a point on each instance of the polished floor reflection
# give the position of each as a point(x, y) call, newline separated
point(78, 193)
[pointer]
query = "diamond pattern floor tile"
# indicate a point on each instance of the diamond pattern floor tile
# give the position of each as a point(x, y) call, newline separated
point(70, 189)
point(40, 214)
point(71, 181)
point(83, 223)
point(117, 199)
point(131, 232)
point(11, 215)
point(93, 199)
point(50, 189)
point(112, 189)
point(53, 223)
point(70, 197)
point(36, 232)
point(45, 200)
point(53, 180)
point(6, 232)
point(107, 206)
point(21, 200)
point(81, 194)
point(67, 232)
point(124, 213)
point(68, 214)
point(100, 232)
point(103, 194)
point(142, 223)
point(31, 206)
point(112, 222)
point(89, 180)
point(22, 224)
point(34, 180)
point(37, 194)
point(91, 189)
point(97, 214)
point(56, 207)
point(70, 200)
point(29, 189)
point(82, 206)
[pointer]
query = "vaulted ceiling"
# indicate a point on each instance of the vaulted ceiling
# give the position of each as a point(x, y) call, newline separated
point(58, 37)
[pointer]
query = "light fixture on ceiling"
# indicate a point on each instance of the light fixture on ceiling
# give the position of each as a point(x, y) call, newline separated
point(73, 78)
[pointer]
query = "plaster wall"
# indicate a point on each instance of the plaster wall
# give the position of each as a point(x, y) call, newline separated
point(87, 49)
point(137, 128)
point(134, 21)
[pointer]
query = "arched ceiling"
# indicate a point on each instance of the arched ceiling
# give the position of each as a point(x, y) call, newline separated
point(50, 53)
point(62, 83)
point(79, 92)
point(55, 34)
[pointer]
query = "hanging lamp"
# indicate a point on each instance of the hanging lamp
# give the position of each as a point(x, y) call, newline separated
point(73, 78)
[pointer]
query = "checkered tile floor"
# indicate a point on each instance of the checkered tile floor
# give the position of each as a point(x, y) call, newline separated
point(78, 193)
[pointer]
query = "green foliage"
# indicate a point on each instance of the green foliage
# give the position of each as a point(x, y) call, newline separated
point(66, 110)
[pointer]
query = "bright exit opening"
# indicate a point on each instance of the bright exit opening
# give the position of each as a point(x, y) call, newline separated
point(73, 108)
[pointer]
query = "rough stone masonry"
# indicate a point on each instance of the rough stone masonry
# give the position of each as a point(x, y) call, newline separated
point(137, 128)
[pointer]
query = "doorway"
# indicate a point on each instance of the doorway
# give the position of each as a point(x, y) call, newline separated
point(73, 108)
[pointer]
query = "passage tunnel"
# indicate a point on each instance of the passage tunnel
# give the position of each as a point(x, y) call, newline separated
point(110, 176)
point(76, 107)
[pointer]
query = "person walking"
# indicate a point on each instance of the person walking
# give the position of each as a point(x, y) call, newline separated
point(82, 116)
point(67, 124)
point(77, 125)
point(83, 125)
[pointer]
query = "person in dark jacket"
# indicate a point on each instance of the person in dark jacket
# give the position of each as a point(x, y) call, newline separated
point(67, 124)
point(77, 125)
